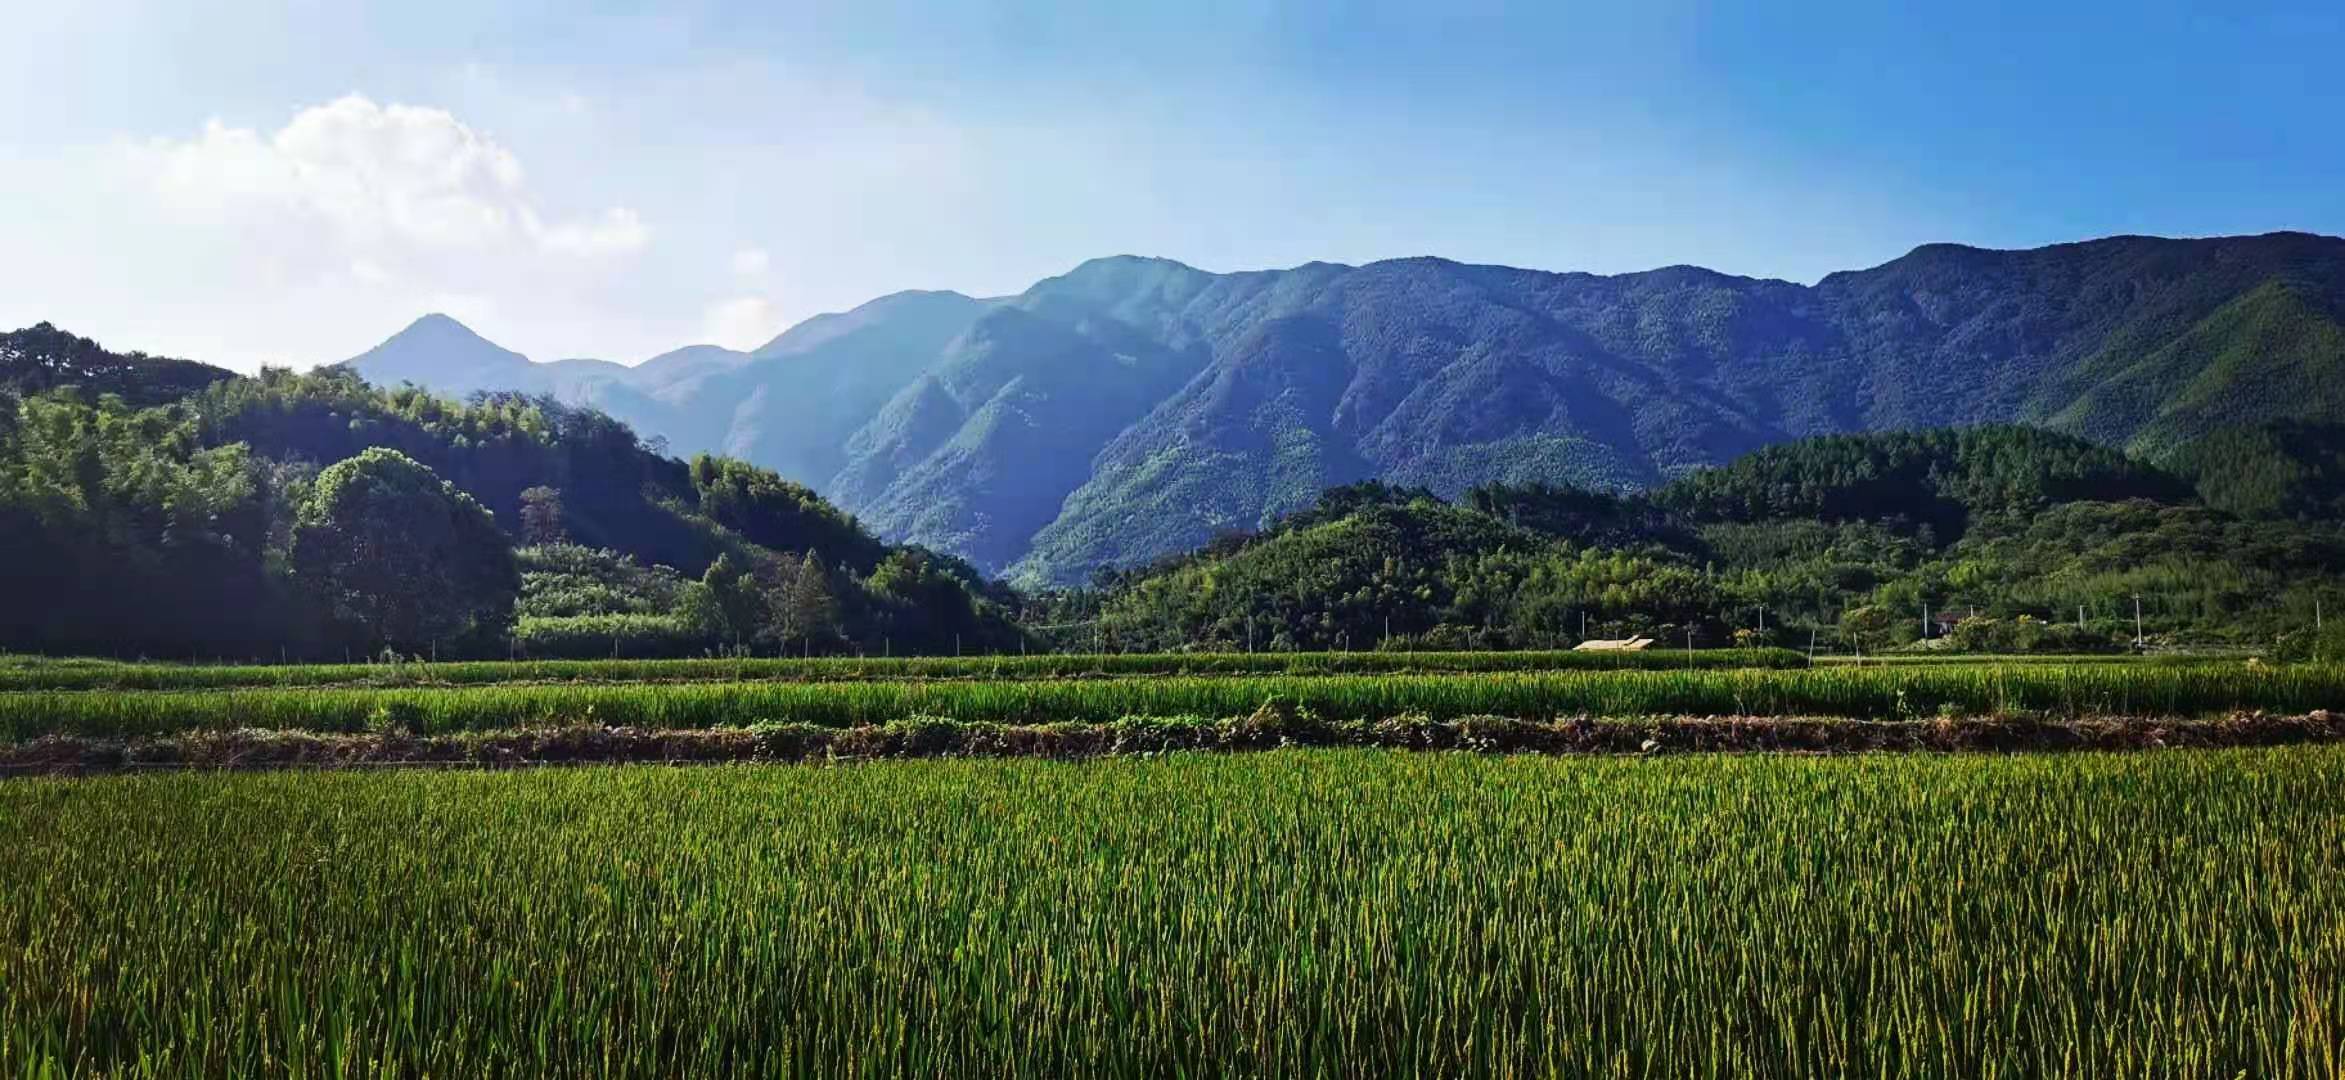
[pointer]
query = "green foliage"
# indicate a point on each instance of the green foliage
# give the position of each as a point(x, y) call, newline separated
point(730, 607)
point(2273, 351)
point(2324, 643)
point(2006, 523)
point(1136, 407)
point(609, 634)
point(42, 358)
point(1347, 576)
point(173, 530)
point(568, 579)
point(583, 602)
point(2167, 914)
point(614, 493)
point(2028, 634)
point(41, 673)
point(1867, 628)
point(1939, 479)
point(2283, 469)
point(775, 513)
point(1894, 692)
point(400, 558)
point(120, 532)
point(541, 516)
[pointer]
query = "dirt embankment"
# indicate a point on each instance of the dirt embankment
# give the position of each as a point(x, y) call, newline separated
point(797, 743)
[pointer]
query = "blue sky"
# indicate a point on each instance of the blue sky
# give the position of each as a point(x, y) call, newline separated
point(270, 182)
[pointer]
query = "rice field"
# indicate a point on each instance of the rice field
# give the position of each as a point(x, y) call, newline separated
point(26, 673)
point(1297, 912)
point(1907, 692)
point(2009, 659)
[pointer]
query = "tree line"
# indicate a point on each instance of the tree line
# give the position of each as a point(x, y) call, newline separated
point(144, 511)
point(2004, 539)
point(153, 507)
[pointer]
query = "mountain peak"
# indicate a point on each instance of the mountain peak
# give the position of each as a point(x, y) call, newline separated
point(440, 325)
point(445, 355)
point(919, 305)
point(1112, 263)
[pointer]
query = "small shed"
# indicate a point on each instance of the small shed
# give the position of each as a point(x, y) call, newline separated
point(1635, 644)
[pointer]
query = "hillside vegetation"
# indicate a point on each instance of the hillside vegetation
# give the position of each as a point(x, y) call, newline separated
point(294, 516)
point(2007, 539)
point(1136, 407)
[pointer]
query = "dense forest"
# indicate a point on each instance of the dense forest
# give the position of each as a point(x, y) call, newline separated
point(1983, 539)
point(155, 507)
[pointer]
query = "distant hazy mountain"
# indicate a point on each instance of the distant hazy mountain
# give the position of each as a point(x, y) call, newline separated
point(1136, 406)
point(445, 355)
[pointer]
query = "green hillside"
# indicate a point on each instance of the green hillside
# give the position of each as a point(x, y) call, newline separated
point(2016, 538)
point(1133, 407)
point(315, 515)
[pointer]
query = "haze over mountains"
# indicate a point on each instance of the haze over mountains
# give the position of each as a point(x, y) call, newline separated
point(1136, 406)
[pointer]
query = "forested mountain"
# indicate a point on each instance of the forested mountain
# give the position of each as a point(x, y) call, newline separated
point(315, 514)
point(306, 515)
point(2284, 469)
point(41, 358)
point(1999, 538)
point(1135, 406)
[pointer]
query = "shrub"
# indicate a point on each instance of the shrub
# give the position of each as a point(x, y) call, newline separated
point(586, 637)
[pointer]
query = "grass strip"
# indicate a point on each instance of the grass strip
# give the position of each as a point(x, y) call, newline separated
point(1901, 693)
point(31, 673)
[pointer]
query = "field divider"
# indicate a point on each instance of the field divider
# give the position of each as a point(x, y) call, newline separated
point(1266, 729)
point(109, 676)
point(1858, 694)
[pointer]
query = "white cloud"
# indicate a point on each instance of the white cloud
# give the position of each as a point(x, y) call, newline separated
point(384, 183)
point(744, 322)
point(617, 232)
point(307, 242)
point(752, 262)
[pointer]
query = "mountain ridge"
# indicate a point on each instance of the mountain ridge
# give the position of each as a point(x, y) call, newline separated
point(1136, 405)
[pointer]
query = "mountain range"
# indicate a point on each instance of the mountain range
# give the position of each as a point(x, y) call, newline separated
point(1136, 406)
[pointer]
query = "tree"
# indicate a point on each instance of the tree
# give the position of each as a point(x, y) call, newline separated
point(401, 557)
point(541, 516)
point(806, 606)
point(1868, 628)
point(734, 606)
point(43, 357)
point(771, 512)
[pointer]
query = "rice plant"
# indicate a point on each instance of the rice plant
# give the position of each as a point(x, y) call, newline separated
point(1874, 693)
point(110, 675)
point(1301, 912)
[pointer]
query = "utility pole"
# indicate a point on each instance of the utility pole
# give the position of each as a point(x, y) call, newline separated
point(2137, 636)
point(1925, 619)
